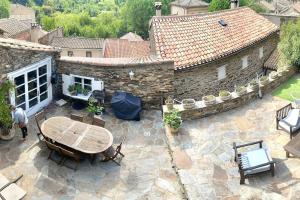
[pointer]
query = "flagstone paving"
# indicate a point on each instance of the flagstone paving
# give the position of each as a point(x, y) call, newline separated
point(203, 154)
point(146, 171)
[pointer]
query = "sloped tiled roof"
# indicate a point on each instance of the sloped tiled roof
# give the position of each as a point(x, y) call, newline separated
point(272, 62)
point(193, 40)
point(132, 37)
point(118, 48)
point(12, 27)
point(296, 7)
point(78, 42)
point(20, 44)
point(189, 3)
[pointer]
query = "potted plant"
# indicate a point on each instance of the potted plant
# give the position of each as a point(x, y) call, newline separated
point(94, 109)
point(6, 120)
point(264, 80)
point(188, 103)
point(169, 103)
point(273, 75)
point(224, 95)
point(72, 90)
point(173, 121)
point(85, 92)
point(78, 89)
point(209, 100)
point(253, 85)
point(241, 90)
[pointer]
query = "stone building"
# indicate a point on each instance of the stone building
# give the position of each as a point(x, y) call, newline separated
point(132, 37)
point(213, 51)
point(186, 7)
point(18, 11)
point(30, 67)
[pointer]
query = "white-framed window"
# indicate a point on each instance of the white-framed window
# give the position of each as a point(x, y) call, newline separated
point(222, 72)
point(244, 62)
point(83, 82)
point(89, 54)
point(70, 53)
point(261, 52)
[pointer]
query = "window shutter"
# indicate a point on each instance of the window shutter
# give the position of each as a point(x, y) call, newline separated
point(97, 85)
point(67, 81)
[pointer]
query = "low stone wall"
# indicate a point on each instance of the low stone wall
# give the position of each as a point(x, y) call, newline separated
point(201, 110)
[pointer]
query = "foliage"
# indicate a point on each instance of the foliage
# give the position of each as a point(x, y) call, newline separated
point(94, 108)
point(241, 89)
point(173, 119)
point(264, 78)
point(4, 9)
point(209, 98)
point(216, 5)
point(5, 113)
point(253, 82)
point(289, 45)
point(224, 93)
point(289, 90)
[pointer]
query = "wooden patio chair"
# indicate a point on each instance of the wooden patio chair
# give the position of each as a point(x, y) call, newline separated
point(113, 154)
point(39, 118)
point(98, 121)
point(293, 147)
point(77, 117)
point(54, 148)
point(69, 154)
point(287, 118)
point(253, 162)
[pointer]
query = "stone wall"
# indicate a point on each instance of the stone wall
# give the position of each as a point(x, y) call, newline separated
point(149, 82)
point(202, 110)
point(203, 80)
point(279, 19)
point(13, 59)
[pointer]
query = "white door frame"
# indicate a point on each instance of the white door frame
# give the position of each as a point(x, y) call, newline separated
point(25, 70)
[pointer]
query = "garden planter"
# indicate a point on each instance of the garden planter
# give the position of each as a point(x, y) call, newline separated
point(224, 95)
point(172, 130)
point(264, 80)
point(7, 134)
point(169, 106)
point(209, 100)
point(273, 75)
point(188, 103)
point(241, 91)
point(253, 86)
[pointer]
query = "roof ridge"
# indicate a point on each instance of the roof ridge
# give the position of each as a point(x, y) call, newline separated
point(202, 14)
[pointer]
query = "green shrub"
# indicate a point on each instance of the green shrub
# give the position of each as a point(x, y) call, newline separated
point(173, 119)
point(5, 112)
point(224, 93)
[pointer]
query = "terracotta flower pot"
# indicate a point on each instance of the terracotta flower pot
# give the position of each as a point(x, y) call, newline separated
point(172, 130)
point(7, 134)
point(188, 103)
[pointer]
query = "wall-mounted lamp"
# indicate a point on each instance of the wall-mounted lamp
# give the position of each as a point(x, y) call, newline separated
point(131, 75)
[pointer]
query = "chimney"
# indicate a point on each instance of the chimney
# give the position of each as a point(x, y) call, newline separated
point(234, 4)
point(35, 32)
point(158, 8)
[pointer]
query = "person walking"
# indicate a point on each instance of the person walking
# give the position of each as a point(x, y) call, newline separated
point(20, 118)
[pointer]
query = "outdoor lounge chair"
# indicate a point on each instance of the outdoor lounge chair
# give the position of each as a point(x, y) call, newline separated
point(77, 117)
point(254, 161)
point(40, 117)
point(54, 148)
point(98, 121)
point(72, 155)
point(113, 155)
point(9, 190)
point(287, 118)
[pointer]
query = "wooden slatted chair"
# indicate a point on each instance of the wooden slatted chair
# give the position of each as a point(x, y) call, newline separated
point(253, 162)
point(98, 121)
point(113, 154)
point(287, 118)
point(54, 148)
point(67, 153)
point(77, 117)
point(39, 118)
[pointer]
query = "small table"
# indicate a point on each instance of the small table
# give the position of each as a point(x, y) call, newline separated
point(79, 136)
point(293, 147)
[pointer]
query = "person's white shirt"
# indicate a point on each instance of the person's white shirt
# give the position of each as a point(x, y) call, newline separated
point(20, 116)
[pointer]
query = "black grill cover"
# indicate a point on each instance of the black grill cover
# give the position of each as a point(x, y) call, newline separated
point(126, 106)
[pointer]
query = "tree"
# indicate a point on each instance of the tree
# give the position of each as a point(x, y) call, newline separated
point(23, 2)
point(289, 45)
point(216, 5)
point(4, 8)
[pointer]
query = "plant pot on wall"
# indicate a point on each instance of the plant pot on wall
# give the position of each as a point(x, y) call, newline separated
point(273, 75)
point(264, 80)
point(253, 85)
point(209, 100)
point(224, 95)
point(173, 121)
point(188, 103)
point(241, 90)
point(169, 103)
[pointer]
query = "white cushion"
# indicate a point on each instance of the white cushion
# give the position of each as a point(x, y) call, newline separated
point(13, 192)
point(3, 180)
point(292, 119)
point(254, 158)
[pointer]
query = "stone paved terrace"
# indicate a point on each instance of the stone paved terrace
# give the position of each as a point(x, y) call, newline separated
point(146, 171)
point(203, 154)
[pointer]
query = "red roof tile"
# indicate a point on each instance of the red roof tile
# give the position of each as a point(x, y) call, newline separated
point(132, 37)
point(272, 62)
point(118, 48)
point(197, 39)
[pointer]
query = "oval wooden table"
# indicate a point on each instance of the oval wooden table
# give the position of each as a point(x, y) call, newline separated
point(79, 136)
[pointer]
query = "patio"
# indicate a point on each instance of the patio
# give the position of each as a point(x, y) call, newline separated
point(146, 171)
point(204, 156)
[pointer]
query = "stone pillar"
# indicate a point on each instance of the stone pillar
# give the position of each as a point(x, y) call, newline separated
point(35, 32)
point(158, 8)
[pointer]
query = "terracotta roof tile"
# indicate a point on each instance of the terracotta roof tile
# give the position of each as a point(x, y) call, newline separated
point(20, 44)
point(132, 37)
point(12, 27)
point(119, 48)
point(272, 62)
point(197, 39)
point(78, 42)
